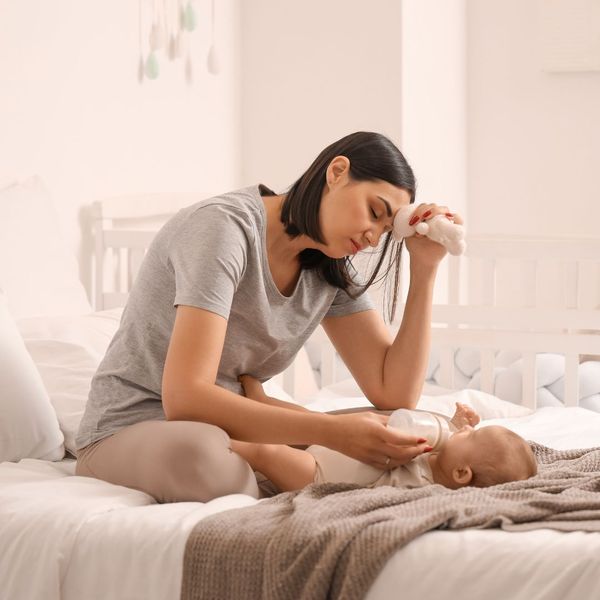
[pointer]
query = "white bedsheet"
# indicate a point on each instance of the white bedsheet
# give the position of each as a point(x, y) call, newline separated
point(76, 538)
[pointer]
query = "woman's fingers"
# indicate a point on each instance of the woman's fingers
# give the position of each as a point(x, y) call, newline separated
point(400, 455)
point(401, 448)
point(365, 437)
point(424, 212)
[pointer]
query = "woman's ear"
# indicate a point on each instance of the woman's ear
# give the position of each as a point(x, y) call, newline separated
point(462, 475)
point(338, 170)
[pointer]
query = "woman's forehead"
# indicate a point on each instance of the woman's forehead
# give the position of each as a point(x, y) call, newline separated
point(394, 196)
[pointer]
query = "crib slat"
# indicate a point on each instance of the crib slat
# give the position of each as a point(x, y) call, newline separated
point(454, 280)
point(589, 275)
point(530, 273)
point(572, 380)
point(487, 371)
point(571, 284)
point(113, 269)
point(122, 261)
point(99, 252)
point(489, 282)
point(447, 367)
point(529, 387)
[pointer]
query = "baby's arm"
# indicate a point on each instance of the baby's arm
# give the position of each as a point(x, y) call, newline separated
point(253, 389)
point(289, 469)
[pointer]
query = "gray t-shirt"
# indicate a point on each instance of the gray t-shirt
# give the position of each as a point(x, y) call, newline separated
point(211, 255)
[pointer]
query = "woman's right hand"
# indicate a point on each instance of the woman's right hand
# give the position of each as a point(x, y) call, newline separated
point(365, 437)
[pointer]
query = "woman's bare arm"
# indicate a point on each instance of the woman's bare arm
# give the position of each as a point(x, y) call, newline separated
point(254, 390)
point(390, 371)
point(189, 393)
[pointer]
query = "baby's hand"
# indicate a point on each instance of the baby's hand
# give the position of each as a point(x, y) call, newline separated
point(464, 415)
point(252, 387)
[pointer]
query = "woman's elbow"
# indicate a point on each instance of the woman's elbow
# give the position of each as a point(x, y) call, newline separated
point(393, 402)
point(177, 403)
point(170, 406)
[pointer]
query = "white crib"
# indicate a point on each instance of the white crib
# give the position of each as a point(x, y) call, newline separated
point(532, 295)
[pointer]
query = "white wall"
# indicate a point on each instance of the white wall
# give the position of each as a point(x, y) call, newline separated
point(434, 117)
point(458, 85)
point(533, 136)
point(313, 72)
point(71, 108)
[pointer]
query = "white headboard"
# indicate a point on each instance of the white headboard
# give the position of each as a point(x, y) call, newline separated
point(123, 229)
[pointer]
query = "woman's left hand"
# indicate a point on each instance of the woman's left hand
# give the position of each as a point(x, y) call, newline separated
point(425, 253)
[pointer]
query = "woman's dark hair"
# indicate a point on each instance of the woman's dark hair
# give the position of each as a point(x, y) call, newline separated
point(372, 157)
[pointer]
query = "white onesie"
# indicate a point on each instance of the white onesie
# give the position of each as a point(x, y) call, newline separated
point(334, 467)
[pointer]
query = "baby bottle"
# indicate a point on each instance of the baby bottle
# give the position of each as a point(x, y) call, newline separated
point(432, 427)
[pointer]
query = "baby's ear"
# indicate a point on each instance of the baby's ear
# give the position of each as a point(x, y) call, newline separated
point(462, 475)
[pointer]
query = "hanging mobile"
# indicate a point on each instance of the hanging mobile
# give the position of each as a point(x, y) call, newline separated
point(157, 41)
point(212, 61)
point(140, 71)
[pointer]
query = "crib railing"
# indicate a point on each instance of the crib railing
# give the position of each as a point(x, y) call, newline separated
point(479, 311)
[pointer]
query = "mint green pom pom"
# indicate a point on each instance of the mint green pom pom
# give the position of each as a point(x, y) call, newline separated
point(189, 17)
point(151, 66)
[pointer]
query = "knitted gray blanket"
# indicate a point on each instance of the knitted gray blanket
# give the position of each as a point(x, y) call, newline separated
point(331, 540)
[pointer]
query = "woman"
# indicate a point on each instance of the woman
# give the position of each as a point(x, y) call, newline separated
point(236, 284)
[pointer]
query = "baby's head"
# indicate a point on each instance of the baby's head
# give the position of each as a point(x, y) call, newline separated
point(483, 457)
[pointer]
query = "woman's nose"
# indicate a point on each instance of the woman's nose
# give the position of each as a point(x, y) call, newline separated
point(371, 239)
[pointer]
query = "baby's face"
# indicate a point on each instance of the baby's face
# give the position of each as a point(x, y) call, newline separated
point(468, 446)
point(461, 447)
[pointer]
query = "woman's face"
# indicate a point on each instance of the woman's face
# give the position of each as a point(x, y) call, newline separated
point(354, 214)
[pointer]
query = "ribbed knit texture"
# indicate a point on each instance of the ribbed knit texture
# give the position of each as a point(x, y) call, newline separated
point(331, 540)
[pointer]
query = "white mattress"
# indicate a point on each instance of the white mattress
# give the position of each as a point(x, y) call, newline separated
point(71, 537)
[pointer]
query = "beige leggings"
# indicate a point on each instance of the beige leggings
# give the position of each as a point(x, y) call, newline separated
point(173, 461)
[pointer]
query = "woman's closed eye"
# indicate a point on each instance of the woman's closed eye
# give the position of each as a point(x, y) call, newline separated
point(388, 228)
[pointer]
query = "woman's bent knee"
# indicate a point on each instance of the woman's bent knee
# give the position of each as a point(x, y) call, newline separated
point(173, 461)
point(204, 467)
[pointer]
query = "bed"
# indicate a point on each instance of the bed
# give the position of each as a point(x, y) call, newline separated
point(63, 536)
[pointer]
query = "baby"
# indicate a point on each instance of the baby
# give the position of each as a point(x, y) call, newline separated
point(477, 457)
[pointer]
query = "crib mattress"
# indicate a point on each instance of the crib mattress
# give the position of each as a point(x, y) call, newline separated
point(67, 537)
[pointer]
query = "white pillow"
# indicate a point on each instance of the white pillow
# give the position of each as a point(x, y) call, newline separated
point(347, 394)
point(67, 351)
point(28, 424)
point(486, 405)
point(37, 272)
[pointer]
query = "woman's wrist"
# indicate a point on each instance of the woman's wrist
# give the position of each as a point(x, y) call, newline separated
point(423, 274)
point(325, 430)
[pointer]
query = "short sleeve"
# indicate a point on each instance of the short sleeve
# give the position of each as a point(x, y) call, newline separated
point(208, 254)
point(343, 304)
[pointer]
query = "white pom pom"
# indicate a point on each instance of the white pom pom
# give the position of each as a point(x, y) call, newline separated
point(422, 228)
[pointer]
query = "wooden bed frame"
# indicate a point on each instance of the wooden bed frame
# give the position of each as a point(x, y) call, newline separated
point(550, 304)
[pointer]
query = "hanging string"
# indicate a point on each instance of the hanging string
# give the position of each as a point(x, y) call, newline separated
point(172, 23)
